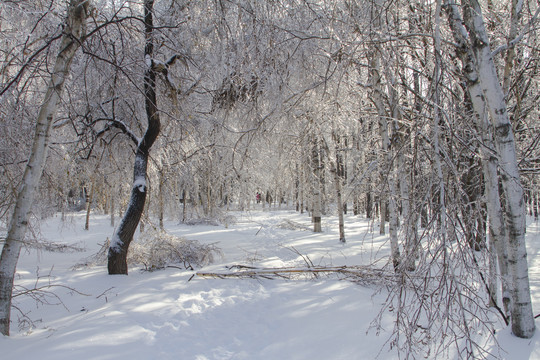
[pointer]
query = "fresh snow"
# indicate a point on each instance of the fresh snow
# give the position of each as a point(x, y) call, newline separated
point(172, 314)
point(140, 183)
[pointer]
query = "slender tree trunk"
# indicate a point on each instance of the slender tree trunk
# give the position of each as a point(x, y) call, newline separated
point(536, 205)
point(113, 200)
point(521, 306)
point(515, 17)
point(117, 257)
point(387, 173)
point(160, 198)
point(369, 203)
point(382, 214)
point(436, 135)
point(497, 229)
point(339, 200)
point(184, 208)
point(74, 32)
point(302, 184)
point(89, 199)
point(316, 202)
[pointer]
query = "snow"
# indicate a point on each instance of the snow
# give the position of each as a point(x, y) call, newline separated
point(140, 183)
point(116, 242)
point(148, 61)
point(172, 314)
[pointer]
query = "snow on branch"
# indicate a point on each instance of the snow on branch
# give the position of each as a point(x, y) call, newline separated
point(518, 38)
point(361, 274)
point(113, 123)
point(162, 67)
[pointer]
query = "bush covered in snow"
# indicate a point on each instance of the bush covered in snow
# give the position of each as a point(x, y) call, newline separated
point(157, 249)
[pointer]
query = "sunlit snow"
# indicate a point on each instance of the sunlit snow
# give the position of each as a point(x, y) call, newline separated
point(171, 314)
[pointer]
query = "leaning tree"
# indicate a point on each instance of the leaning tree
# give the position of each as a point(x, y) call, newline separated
point(73, 33)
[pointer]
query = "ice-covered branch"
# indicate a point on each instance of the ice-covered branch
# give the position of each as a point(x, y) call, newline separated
point(520, 37)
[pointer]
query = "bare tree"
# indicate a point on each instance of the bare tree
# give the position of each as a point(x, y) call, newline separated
point(117, 258)
point(73, 33)
point(521, 306)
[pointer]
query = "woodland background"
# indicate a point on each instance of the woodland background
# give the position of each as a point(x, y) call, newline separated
point(423, 115)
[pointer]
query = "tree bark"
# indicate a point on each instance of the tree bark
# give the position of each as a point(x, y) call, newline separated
point(89, 199)
point(338, 187)
point(161, 202)
point(387, 173)
point(113, 200)
point(316, 194)
point(521, 307)
point(117, 257)
point(497, 230)
point(74, 32)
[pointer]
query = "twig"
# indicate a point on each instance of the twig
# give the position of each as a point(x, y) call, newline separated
point(306, 258)
point(103, 293)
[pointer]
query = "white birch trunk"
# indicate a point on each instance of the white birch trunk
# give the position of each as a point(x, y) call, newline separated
point(386, 160)
point(435, 128)
point(339, 199)
point(515, 10)
point(74, 32)
point(521, 307)
point(497, 230)
point(316, 194)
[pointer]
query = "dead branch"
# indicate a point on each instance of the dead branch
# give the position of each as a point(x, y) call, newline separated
point(361, 274)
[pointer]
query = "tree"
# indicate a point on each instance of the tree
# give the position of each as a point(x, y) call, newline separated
point(388, 176)
point(521, 305)
point(73, 34)
point(497, 229)
point(117, 256)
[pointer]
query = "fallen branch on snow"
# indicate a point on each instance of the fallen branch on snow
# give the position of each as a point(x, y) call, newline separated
point(361, 274)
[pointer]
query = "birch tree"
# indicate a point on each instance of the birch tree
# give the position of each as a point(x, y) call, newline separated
point(387, 173)
point(497, 229)
point(73, 34)
point(522, 318)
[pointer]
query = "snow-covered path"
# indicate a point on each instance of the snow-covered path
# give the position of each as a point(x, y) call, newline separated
point(165, 315)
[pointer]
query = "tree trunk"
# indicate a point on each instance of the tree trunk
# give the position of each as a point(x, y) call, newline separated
point(112, 209)
point(339, 200)
point(521, 307)
point(386, 171)
point(160, 198)
point(89, 198)
point(74, 32)
point(117, 257)
point(184, 208)
point(497, 230)
point(316, 194)
point(536, 205)
point(369, 203)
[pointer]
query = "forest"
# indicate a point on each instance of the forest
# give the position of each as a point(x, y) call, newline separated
point(422, 117)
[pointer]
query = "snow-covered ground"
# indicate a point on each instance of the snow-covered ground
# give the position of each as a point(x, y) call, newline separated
point(171, 314)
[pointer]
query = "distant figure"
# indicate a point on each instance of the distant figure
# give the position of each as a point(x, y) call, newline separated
point(258, 197)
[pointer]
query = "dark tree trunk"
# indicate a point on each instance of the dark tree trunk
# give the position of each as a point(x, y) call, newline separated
point(117, 257)
point(369, 208)
point(536, 206)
